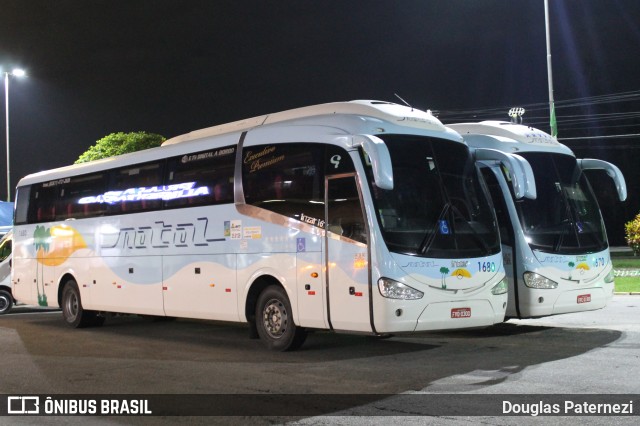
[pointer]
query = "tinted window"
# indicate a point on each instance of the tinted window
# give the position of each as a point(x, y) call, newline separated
point(5, 249)
point(288, 178)
point(345, 217)
point(438, 206)
point(201, 178)
point(565, 217)
point(190, 180)
point(135, 188)
point(79, 197)
point(42, 202)
point(22, 205)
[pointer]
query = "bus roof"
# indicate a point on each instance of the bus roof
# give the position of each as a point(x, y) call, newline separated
point(354, 117)
point(509, 137)
point(386, 111)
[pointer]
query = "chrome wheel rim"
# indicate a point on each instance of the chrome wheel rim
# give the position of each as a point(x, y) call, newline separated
point(275, 318)
point(71, 306)
point(4, 303)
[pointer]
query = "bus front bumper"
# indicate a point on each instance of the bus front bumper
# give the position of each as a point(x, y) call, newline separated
point(465, 314)
point(578, 300)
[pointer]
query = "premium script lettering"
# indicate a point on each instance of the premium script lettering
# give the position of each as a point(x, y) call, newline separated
point(261, 159)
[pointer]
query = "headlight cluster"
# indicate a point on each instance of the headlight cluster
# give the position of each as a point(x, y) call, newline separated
point(501, 288)
point(610, 277)
point(395, 290)
point(534, 280)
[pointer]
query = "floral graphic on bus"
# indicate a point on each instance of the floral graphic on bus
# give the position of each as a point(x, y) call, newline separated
point(56, 244)
point(41, 238)
point(53, 247)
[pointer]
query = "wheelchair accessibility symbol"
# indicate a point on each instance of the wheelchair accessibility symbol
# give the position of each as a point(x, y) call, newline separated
point(444, 227)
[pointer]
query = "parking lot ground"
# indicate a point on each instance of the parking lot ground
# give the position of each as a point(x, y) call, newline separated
point(588, 353)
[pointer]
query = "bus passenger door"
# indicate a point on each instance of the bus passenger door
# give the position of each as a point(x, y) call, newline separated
point(507, 234)
point(347, 256)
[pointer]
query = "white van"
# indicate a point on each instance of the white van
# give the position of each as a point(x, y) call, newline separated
point(6, 295)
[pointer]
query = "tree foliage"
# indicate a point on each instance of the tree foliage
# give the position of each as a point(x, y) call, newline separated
point(632, 231)
point(120, 143)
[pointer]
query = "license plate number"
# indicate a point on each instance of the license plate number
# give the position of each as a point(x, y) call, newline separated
point(461, 313)
point(584, 298)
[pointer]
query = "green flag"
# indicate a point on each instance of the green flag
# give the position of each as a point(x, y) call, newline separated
point(553, 122)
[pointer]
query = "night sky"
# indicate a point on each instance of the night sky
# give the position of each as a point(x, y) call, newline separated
point(169, 67)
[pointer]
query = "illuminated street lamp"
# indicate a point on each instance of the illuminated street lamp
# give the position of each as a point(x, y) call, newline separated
point(17, 72)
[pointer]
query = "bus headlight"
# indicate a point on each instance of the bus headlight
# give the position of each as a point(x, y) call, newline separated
point(501, 288)
point(534, 280)
point(610, 277)
point(395, 290)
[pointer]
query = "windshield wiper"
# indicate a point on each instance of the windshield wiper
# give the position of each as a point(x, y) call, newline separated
point(566, 221)
point(474, 233)
point(430, 237)
point(428, 240)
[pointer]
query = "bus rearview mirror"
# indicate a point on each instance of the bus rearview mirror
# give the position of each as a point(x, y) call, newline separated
point(378, 153)
point(524, 184)
point(612, 170)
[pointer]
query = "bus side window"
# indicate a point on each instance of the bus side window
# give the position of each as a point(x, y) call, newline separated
point(206, 178)
point(78, 198)
point(286, 179)
point(130, 183)
point(345, 210)
point(22, 205)
point(5, 249)
point(42, 203)
point(223, 191)
point(338, 161)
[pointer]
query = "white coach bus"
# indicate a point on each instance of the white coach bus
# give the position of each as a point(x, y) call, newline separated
point(358, 216)
point(555, 247)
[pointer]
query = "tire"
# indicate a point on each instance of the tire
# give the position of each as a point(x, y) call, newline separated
point(381, 336)
point(6, 302)
point(274, 321)
point(73, 312)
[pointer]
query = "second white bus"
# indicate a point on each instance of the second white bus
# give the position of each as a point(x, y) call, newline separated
point(361, 216)
point(555, 246)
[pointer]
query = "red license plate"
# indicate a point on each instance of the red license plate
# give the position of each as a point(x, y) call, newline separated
point(584, 298)
point(461, 313)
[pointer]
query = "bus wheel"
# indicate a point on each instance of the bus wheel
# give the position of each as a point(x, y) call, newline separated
point(274, 321)
point(6, 301)
point(73, 312)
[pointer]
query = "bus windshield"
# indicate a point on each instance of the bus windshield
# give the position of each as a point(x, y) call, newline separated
point(565, 217)
point(438, 207)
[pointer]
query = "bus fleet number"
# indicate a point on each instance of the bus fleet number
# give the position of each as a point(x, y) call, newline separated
point(487, 266)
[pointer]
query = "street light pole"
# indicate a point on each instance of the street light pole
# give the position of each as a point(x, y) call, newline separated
point(552, 109)
point(16, 73)
point(6, 109)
